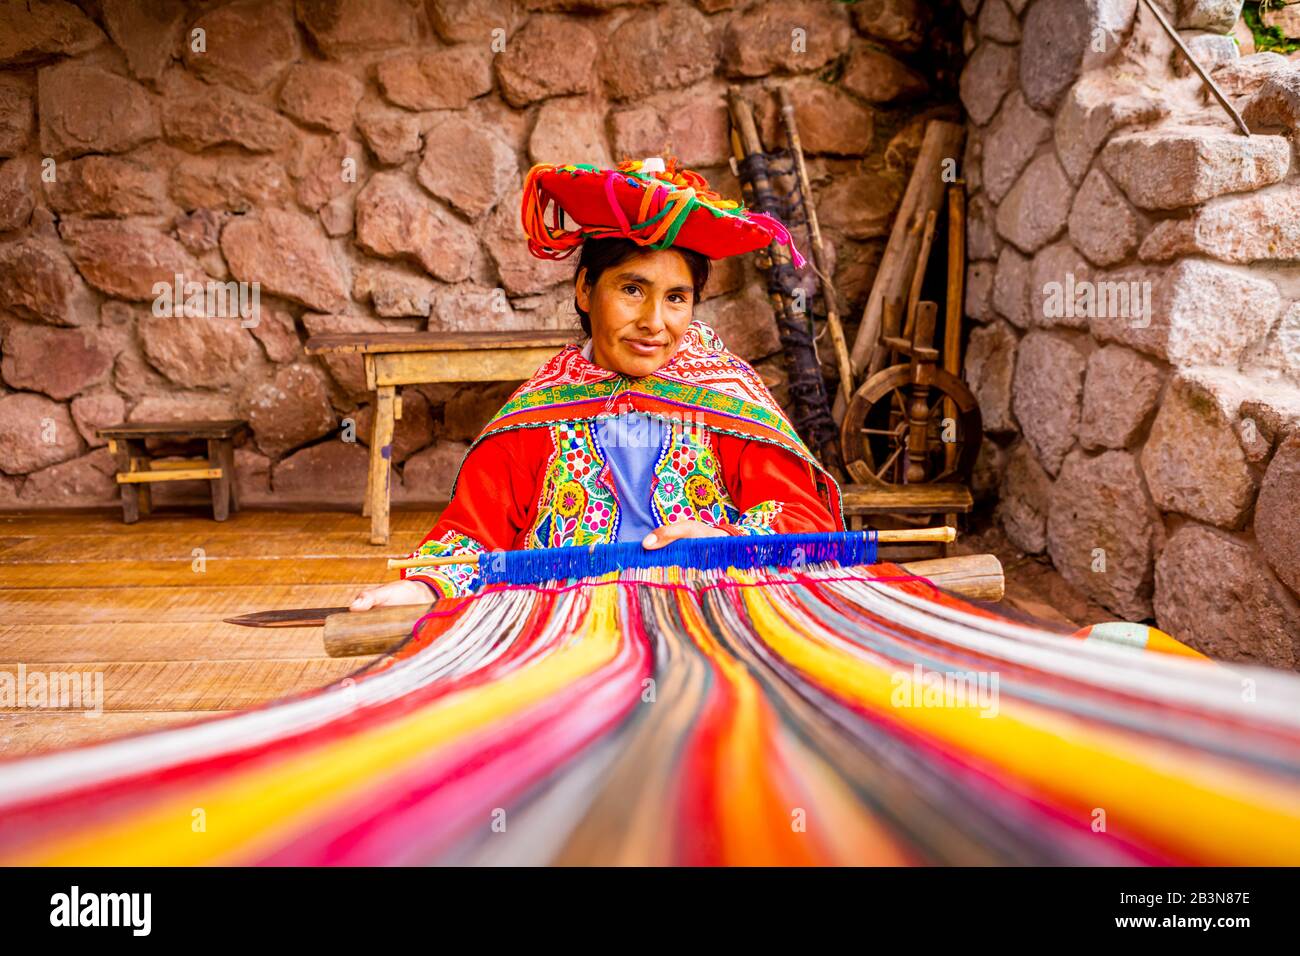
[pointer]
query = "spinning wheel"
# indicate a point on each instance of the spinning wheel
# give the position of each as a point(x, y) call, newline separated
point(913, 423)
point(893, 432)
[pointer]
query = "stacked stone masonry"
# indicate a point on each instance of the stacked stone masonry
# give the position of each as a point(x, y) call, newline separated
point(1135, 280)
point(362, 161)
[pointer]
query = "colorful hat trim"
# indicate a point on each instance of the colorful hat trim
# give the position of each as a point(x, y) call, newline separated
point(673, 207)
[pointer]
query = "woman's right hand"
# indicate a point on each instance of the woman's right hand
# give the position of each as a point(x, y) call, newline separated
point(392, 594)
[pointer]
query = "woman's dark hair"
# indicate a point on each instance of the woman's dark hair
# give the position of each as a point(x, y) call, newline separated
point(600, 254)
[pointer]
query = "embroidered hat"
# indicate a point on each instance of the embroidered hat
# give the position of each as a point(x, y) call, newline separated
point(654, 202)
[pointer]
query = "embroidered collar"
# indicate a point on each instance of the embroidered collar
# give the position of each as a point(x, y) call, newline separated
point(702, 383)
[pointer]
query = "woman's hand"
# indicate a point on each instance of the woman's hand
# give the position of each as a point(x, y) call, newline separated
point(391, 595)
point(680, 529)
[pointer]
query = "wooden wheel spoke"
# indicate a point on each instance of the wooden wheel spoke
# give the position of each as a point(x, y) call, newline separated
point(889, 461)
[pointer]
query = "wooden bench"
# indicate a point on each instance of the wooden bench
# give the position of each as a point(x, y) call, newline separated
point(137, 470)
point(393, 359)
point(861, 501)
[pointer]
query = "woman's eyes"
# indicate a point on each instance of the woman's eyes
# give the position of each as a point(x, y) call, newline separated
point(673, 296)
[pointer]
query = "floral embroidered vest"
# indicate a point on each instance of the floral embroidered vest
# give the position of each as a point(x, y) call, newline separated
point(579, 504)
point(702, 389)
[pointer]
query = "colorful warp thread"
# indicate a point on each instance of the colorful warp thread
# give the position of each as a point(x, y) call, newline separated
point(685, 717)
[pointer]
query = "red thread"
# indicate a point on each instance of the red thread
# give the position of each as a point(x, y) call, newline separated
point(797, 579)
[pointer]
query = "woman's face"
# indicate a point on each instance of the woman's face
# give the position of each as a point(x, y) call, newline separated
point(639, 311)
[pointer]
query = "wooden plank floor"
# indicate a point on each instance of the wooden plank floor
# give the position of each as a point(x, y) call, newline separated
point(142, 605)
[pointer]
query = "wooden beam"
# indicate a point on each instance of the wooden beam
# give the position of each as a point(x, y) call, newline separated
point(976, 577)
point(173, 464)
point(906, 499)
point(359, 633)
point(389, 342)
point(381, 454)
point(482, 365)
point(918, 280)
point(924, 190)
point(174, 474)
point(956, 305)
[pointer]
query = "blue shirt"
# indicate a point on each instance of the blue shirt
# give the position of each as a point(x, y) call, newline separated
point(631, 443)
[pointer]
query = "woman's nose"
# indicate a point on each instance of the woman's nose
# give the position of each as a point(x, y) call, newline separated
point(652, 314)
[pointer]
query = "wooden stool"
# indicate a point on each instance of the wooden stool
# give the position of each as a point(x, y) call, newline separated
point(948, 500)
point(136, 470)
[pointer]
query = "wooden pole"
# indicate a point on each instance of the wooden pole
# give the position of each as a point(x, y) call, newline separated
point(924, 191)
point(956, 304)
point(1200, 70)
point(977, 577)
point(820, 264)
point(892, 324)
point(361, 633)
point(918, 277)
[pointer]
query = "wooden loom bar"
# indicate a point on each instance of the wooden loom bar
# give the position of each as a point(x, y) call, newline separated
point(940, 535)
point(956, 303)
point(918, 280)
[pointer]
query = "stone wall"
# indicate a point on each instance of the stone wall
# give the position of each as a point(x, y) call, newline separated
point(362, 161)
point(1150, 448)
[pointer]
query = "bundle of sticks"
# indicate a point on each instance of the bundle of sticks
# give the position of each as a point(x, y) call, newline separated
point(896, 293)
point(757, 168)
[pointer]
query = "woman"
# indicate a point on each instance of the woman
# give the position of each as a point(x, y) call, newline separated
point(650, 432)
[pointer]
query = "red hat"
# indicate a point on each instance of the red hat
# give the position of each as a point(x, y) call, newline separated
point(653, 202)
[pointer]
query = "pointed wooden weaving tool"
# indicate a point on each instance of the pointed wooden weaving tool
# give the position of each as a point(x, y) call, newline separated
point(289, 617)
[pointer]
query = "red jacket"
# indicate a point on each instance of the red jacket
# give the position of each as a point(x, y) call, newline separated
point(501, 489)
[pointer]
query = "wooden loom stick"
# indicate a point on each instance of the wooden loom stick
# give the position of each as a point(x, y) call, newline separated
point(956, 303)
point(361, 633)
point(924, 191)
point(287, 617)
point(1200, 70)
point(918, 277)
point(820, 265)
point(976, 577)
point(941, 535)
point(892, 325)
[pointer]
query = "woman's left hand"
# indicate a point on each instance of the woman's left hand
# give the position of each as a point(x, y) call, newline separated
point(680, 529)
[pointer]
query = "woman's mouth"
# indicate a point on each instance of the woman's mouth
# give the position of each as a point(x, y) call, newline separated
point(643, 347)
